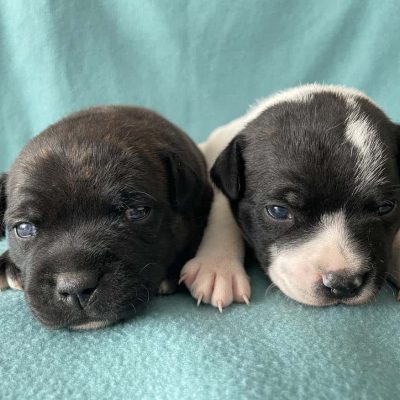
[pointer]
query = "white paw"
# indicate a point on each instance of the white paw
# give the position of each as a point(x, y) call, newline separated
point(12, 281)
point(167, 287)
point(3, 281)
point(216, 280)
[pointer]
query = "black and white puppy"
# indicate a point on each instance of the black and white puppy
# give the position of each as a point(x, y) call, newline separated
point(101, 210)
point(312, 179)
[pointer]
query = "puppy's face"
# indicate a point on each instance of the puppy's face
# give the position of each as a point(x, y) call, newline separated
point(313, 181)
point(94, 224)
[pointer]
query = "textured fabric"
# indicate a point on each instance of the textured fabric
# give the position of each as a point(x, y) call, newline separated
point(274, 349)
point(199, 63)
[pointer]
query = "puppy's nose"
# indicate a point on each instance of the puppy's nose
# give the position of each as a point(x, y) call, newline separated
point(77, 287)
point(343, 285)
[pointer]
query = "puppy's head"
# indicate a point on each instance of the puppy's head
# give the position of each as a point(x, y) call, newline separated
point(99, 210)
point(313, 179)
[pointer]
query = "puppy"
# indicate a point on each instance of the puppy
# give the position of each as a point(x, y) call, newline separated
point(101, 210)
point(311, 176)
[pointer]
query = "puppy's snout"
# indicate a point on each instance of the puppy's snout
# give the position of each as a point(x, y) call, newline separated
point(343, 285)
point(77, 288)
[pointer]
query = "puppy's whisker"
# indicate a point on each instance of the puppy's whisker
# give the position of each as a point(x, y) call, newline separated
point(336, 126)
point(269, 289)
point(388, 274)
point(133, 307)
point(386, 285)
point(391, 277)
point(147, 265)
point(148, 293)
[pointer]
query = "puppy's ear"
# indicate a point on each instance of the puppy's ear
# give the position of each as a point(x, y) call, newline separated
point(184, 183)
point(228, 170)
point(3, 178)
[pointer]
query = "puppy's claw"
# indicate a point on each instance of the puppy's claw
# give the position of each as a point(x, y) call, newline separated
point(199, 299)
point(220, 306)
point(219, 280)
point(182, 279)
point(246, 299)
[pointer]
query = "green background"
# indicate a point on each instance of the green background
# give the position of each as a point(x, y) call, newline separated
point(199, 63)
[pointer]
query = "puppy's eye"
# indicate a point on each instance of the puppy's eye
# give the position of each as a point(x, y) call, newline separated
point(385, 207)
point(25, 230)
point(137, 213)
point(278, 212)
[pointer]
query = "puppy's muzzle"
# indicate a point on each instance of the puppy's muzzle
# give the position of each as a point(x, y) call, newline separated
point(342, 285)
point(77, 288)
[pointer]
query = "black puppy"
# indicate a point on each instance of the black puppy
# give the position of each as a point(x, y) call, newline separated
point(312, 178)
point(102, 209)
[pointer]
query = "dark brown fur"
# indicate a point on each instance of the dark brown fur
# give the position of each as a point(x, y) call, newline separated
point(75, 182)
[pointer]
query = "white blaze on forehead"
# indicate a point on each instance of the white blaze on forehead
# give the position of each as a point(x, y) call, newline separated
point(360, 131)
point(331, 246)
point(333, 227)
point(362, 134)
point(334, 235)
point(221, 136)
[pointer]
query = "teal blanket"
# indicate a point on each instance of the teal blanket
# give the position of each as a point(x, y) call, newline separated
point(273, 349)
point(200, 63)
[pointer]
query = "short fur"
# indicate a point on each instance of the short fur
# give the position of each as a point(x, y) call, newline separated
point(330, 156)
point(75, 181)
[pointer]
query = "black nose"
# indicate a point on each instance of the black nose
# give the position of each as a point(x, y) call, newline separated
point(344, 285)
point(77, 287)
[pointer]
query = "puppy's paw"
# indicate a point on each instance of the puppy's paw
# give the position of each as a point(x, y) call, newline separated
point(10, 275)
point(167, 286)
point(216, 280)
point(3, 281)
point(13, 277)
point(3, 265)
